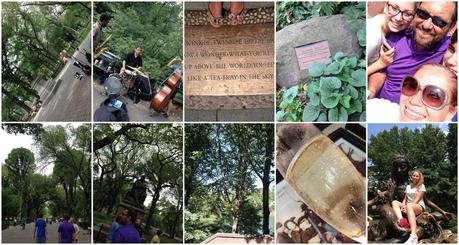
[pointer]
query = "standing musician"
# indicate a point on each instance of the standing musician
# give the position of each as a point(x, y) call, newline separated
point(97, 31)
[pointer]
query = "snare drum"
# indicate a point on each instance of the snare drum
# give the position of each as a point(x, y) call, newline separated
point(113, 84)
point(128, 79)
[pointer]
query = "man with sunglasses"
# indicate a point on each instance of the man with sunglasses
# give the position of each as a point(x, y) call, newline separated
point(427, 42)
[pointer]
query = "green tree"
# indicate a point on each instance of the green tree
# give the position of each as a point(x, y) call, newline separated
point(33, 34)
point(69, 150)
point(428, 149)
point(156, 26)
point(21, 164)
point(123, 153)
point(222, 173)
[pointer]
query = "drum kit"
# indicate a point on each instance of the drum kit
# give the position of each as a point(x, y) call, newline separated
point(117, 81)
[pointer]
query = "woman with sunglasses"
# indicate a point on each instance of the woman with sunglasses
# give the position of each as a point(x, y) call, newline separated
point(429, 95)
point(412, 204)
point(450, 59)
point(397, 16)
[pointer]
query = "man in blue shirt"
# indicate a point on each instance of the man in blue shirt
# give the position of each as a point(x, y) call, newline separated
point(127, 233)
point(40, 232)
point(115, 226)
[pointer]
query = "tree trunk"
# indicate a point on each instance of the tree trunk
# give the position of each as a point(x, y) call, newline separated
point(235, 221)
point(265, 208)
point(266, 178)
point(152, 208)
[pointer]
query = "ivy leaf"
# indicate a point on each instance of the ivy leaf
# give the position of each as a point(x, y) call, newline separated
point(314, 99)
point(310, 113)
point(337, 115)
point(353, 91)
point(280, 116)
point(314, 87)
point(322, 117)
point(317, 69)
point(329, 102)
point(283, 104)
point(353, 62)
point(361, 36)
point(338, 55)
point(292, 117)
point(333, 68)
point(344, 76)
point(342, 117)
point(362, 63)
point(358, 78)
point(328, 85)
point(356, 106)
point(344, 100)
point(290, 94)
point(333, 115)
point(363, 117)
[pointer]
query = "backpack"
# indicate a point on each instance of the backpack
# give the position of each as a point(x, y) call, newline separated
point(108, 113)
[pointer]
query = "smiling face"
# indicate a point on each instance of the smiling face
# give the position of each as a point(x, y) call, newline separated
point(415, 177)
point(450, 58)
point(399, 15)
point(426, 33)
point(412, 108)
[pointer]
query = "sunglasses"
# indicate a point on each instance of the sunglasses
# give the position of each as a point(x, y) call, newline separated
point(432, 96)
point(435, 20)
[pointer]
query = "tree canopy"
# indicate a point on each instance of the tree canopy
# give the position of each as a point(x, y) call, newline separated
point(33, 35)
point(223, 162)
point(66, 190)
point(124, 153)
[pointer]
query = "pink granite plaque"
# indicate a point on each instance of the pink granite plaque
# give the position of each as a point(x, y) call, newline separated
point(309, 54)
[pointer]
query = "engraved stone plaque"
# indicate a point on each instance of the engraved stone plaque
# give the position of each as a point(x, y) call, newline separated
point(231, 67)
point(317, 52)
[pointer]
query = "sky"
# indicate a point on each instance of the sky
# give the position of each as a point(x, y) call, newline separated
point(10, 141)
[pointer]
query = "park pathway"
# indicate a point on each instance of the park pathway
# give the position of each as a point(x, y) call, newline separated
point(70, 99)
point(15, 234)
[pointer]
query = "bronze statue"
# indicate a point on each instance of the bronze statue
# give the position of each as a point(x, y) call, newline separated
point(388, 230)
point(138, 193)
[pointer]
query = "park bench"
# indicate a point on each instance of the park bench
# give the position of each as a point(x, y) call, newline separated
point(101, 233)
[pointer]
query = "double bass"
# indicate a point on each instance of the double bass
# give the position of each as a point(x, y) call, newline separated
point(163, 97)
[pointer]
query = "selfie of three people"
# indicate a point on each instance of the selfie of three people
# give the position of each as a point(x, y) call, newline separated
point(412, 62)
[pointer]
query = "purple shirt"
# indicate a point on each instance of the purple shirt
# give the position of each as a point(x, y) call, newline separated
point(406, 60)
point(66, 229)
point(126, 234)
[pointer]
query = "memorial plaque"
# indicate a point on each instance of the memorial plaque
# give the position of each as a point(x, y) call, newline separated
point(317, 52)
point(230, 67)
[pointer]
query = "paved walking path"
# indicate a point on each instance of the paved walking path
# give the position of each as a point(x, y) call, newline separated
point(15, 234)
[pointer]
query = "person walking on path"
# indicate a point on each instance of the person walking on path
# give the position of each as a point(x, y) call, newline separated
point(66, 231)
point(76, 228)
point(40, 232)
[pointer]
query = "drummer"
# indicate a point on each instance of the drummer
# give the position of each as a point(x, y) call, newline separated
point(132, 60)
